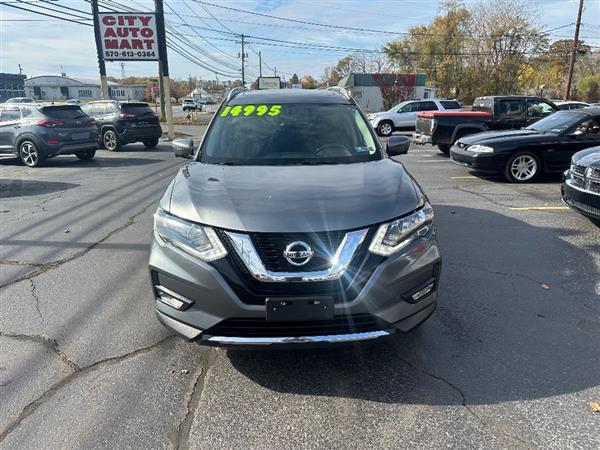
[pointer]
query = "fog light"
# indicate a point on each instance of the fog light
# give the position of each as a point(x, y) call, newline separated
point(423, 292)
point(172, 299)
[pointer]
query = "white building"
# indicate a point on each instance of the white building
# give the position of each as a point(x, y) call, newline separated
point(375, 92)
point(52, 87)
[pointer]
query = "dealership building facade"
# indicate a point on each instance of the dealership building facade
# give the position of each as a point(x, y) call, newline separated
point(53, 87)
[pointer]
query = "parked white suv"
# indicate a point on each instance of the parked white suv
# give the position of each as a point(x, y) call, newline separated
point(404, 115)
point(191, 104)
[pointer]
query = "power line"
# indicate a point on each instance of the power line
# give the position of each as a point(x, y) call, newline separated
point(46, 14)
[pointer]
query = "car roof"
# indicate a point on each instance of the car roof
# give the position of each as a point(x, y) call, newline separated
point(590, 110)
point(270, 96)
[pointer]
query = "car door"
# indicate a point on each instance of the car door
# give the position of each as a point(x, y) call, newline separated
point(10, 120)
point(508, 113)
point(406, 116)
point(585, 135)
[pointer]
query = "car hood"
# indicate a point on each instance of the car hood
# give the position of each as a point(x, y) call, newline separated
point(293, 198)
point(589, 157)
point(501, 137)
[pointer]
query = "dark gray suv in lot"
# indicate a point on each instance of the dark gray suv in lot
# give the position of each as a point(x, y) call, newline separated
point(35, 133)
point(124, 123)
point(292, 225)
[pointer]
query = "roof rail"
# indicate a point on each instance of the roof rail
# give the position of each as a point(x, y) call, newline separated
point(234, 92)
point(342, 91)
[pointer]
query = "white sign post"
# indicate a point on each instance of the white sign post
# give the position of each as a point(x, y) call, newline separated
point(128, 36)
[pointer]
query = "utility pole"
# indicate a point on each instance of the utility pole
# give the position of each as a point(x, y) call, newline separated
point(243, 58)
point(20, 70)
point(161, 92)
point(98, 38)
point(275, 70)
point(164, 65)
point(573, 52)
point(259, 64)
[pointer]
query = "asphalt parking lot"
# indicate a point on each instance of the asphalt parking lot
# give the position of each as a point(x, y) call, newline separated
point(510, 359)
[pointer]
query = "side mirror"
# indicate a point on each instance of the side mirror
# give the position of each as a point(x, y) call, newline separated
point(397, 145)
point(183, 147)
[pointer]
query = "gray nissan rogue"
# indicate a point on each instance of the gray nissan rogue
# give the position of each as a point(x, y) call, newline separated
point(292, 225)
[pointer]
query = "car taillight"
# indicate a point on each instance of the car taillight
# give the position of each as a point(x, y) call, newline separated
point(53, 142)
point(49, 123)
point(127, 116)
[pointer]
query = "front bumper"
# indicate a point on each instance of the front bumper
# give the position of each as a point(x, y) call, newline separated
point(585, 203)
point(480, 162)
point(379, 309)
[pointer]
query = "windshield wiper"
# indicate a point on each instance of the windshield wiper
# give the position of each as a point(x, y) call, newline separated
point(226, 163)
point(315, 162)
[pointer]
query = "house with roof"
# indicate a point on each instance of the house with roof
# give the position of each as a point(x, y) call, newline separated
point(54, 87)
point(380, 91)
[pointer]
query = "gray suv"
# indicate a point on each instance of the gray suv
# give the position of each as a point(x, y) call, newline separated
point(292, 225)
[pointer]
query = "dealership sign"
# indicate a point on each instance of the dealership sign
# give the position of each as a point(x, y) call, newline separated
point(128, 36)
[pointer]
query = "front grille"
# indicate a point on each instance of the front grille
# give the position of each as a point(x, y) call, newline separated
point(254, 327)
point(584, 178)
point(594, 174)
point(424, 125)
point(270, 247)
point(578, 170)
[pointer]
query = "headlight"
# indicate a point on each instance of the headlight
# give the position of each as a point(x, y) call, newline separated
point(393, 236)
point(480, 149)
point(190, 237)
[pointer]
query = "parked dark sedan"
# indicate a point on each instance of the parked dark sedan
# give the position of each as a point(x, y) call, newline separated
point(581, 186)
point(124, 123)
point(35, 133)
point(522, 155)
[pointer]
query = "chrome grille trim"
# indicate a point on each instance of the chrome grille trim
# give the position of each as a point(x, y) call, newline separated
point(584, 179)
point(244, 247)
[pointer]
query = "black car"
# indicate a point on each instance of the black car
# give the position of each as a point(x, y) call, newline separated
point(522, 155)
point(581, 186)
point(35, 133)
point(124, 123)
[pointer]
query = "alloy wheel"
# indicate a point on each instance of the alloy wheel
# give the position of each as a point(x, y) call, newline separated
point(385, 129)
point(29, 154)
point(524, 168)
point(110, 140)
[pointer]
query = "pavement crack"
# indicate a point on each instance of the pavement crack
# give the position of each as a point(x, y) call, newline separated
point(481, 196)
point(36, 300)
point(482, 420)
point(181, 436)
point(21, 263)
point(49, 343)
point(31, 407)
point(43, 268)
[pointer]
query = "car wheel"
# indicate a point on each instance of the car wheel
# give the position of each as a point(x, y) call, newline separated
point(111, 140)
point(522, 167)
point(84, 156)
point(151, 143)
point(385, 129)
point(30, 154)
point(444, 148)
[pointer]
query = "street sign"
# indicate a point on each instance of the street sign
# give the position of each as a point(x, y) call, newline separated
point(269, 83)
point(128, 36)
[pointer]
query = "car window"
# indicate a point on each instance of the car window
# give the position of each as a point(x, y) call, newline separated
point(558, 122)
point(590, 126)
point(450, 104)
point(139, 110)
point(7, 115)
point(289, 134)
point(538, 108)
point(409, 107)
point(510, 108)
point(63, 112)
point(426, 106)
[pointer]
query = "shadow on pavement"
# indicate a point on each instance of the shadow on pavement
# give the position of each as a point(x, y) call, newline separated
point(26, 188)
point(517, 319)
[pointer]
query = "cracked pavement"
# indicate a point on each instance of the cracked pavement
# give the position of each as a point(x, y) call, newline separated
point(509, 360)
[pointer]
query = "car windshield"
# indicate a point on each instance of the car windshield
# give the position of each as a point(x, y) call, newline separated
point(558, 122)
point(289, 134)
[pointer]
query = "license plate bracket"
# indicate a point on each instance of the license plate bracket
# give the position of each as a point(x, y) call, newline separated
point(288, 309)
point(80, 136)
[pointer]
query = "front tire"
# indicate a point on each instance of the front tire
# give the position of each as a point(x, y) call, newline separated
point(523, 167)
point(385, 128)
point(444, 148)
point(111, 141)
point(30, 155)
point(87, 155)
point(151, 143)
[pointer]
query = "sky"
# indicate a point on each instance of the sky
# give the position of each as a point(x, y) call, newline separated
point(47, 46)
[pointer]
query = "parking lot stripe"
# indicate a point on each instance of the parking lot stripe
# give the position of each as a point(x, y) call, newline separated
point(541, 208)
point(469, 177)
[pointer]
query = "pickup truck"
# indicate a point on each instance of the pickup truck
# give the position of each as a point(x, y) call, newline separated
point(443, 128)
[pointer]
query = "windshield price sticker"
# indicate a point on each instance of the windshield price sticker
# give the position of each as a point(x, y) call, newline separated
point(250, 110)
